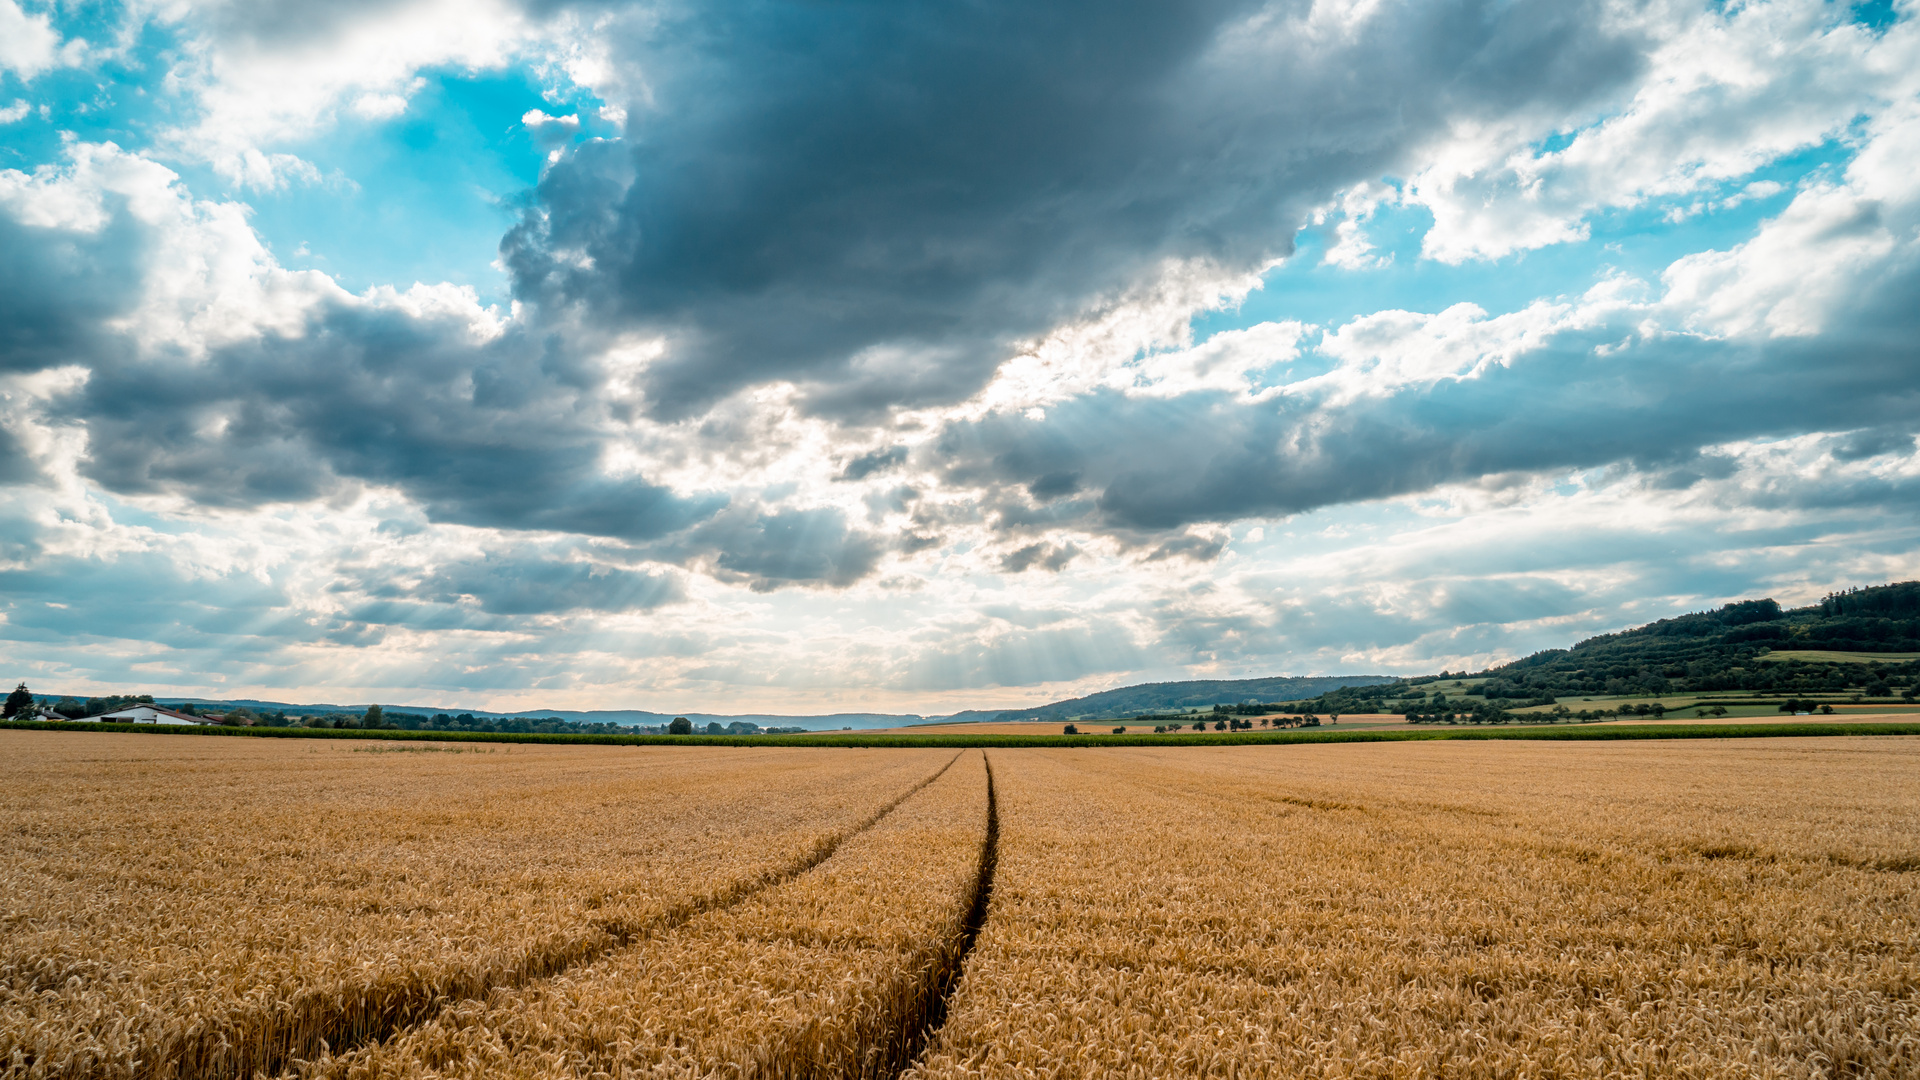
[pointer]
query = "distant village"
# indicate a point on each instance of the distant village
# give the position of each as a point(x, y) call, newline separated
point(23, 704)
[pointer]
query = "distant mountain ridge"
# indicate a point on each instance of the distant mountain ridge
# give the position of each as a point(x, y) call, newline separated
point(624, 717)
point(1160, 697)
point(1123, 701)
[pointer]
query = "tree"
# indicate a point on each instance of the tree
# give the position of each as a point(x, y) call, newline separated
point(1199, 725)
point(680, 726)
point(1070, 730)
point(20, 700)
point(376, 717)
point(1120, 731)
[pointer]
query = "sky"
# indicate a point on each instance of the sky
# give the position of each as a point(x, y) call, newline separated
point(793, 358)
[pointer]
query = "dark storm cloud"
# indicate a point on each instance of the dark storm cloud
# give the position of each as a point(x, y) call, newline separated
point(872, 462)
point(787, 547)
point(1156, 464)
point(56, 288)
point(494, 435)
point(880, 200)
point(1196, 548)
point(1861, 445)
point(544, 586)
point(15, 466)
point(1052, 558)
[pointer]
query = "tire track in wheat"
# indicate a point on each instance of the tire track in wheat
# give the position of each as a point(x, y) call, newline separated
point(270, 1040)
point(943, 980)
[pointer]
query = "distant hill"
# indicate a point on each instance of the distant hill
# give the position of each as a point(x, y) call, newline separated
point(1845, 643)
point(1726, 649)
point(1749, 645)
point(621, 717)
point(1167, 696)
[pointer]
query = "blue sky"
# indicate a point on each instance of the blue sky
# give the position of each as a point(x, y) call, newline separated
point(791, 359)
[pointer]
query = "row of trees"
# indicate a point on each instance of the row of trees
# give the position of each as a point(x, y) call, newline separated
point(22, 702)
point(1227, 724)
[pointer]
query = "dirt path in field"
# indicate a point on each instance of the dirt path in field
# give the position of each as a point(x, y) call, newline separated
point(371, 1014)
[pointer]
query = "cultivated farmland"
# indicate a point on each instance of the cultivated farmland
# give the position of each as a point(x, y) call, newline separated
point(830, 974)
point(184, 907)
point(1489, 909)
point(188, 907)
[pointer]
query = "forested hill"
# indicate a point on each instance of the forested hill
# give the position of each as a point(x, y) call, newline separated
point(1884, 618)
point(1164, 697)
point(1729, 649)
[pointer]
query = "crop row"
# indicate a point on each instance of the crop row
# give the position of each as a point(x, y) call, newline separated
point(1409, 909)
point(1447, 909)
point(195, 908)
point(835, 973)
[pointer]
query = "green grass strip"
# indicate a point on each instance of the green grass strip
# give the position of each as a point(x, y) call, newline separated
point(1575, 733)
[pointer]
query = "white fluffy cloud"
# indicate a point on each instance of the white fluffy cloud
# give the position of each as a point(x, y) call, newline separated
point(28, 43)
point(271, 75)
point(1724, 93)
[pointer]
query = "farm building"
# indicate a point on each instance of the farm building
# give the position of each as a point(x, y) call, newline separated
point(147, 714)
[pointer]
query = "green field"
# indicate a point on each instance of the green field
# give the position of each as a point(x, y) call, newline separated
point(1828, 656)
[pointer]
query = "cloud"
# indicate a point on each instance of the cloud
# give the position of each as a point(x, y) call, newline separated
point(28, 43)
point(768, 550)
point(218, 377)
point(1049, 557)
point(881, 350)
point(1861, 445)
point(269, 74)
point(1726, 91)
point(545, 586)
point(883, 204)
point(376, 394)
point(551, 132)
point(873, 461)
point(1545, 393)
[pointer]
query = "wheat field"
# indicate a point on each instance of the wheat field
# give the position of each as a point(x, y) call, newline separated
point(232, 907)
point(173, 907)
point(828, 975)
point(1704, 909)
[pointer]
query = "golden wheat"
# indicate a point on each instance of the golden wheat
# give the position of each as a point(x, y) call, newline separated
point(180, 907)
point(1724, 909)
point(191, 907)
point(830, 974)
